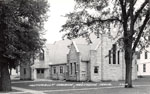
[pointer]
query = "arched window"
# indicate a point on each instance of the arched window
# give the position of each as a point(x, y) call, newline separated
point(41, 55)
point(114, 53)
point(109, 56)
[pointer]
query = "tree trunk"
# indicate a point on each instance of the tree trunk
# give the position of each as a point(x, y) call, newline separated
point(128, 63)
point(5, 82)
point(10, 70)
point(128, 35)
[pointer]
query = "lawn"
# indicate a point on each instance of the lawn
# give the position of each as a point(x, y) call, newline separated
point(46, 85)
point(141, 86)
point(135, 90)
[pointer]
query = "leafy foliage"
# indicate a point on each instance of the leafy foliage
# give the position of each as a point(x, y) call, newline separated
point(110, 17)
point(125, 20)
point(21, 27)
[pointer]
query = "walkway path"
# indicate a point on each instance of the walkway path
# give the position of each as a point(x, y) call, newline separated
point(27, 91)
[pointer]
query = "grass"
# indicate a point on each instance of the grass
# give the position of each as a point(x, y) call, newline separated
point(69, 88)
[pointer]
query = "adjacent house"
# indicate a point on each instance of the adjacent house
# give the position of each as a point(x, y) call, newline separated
point(143, 61)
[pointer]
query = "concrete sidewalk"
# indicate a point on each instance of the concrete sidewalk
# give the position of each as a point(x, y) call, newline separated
point(25, 91)
point(101, 90)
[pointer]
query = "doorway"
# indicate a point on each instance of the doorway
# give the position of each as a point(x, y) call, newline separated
point(40, 73)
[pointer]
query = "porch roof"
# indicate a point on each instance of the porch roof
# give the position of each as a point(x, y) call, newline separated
point(40, 65)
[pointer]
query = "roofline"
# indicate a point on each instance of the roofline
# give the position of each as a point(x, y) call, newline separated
point(57, 64)
point(97, 45)
point(75, 46)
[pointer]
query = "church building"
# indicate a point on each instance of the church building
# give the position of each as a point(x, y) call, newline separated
point(78, 60)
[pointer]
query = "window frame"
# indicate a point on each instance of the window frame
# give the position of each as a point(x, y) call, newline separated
point(114, 53)
point(144, 67)
point(24, 71)
point(118, 55)
point(75, 67)
point(41, 55)
point(54, 70)
point(61, 69)
point(96, 69)
point(138, 55)
point(109, 56)
point(146, 55)
point(71, 68)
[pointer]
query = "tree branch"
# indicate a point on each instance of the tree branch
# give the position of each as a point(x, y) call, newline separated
point(141, 31)
point(128, 13)
point(94, 20)
point(123, 7)
point(139, 10)
point(124, 15)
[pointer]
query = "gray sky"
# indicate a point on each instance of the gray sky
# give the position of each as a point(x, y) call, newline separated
point(58, 8)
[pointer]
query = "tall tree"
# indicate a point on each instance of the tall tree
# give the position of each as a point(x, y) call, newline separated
point(129, 18)
point(21, 27)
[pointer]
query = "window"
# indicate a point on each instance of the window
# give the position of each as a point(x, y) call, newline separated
point(24, 70)
point(38, 71)
point(118, 57)
point(114, 53)
point(138, 55)
point(146, 55)
point(54, 69)
point(109, 56)
point(41, 55)
point(75, 67)
point(144, 67)
point(61, 69)
point(96, 69)
point(83, 75)
point(67, 68)
point(71, 67)
point(42, 70)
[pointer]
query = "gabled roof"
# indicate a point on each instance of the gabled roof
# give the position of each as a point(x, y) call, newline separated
point(58, 51)
point(94, 39)
point(75, 45)
point(84, 50)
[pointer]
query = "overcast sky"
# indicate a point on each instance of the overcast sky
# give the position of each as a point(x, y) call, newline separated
point(58, 8)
